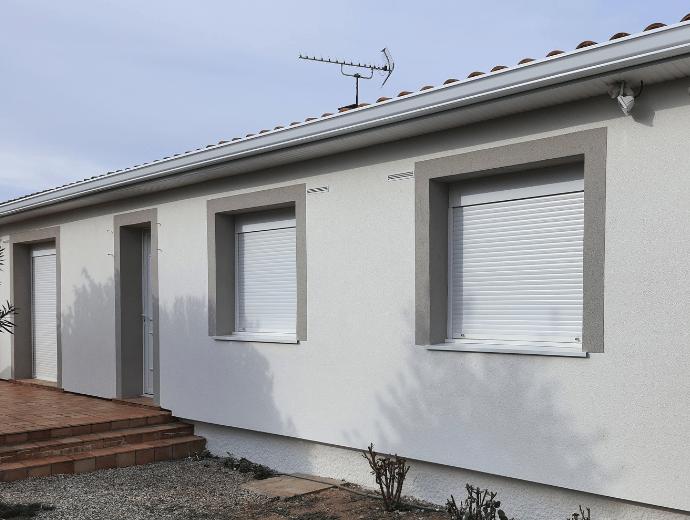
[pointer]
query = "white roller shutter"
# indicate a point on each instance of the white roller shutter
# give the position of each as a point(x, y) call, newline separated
point(517, 269)
point(266, 282)
point(44, 313)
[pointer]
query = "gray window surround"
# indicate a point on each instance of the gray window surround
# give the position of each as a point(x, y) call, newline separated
point(20, 296)
point(129, 348)
point(432, 180)
point(221, 252)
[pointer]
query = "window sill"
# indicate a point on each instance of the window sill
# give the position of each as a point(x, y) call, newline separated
point(259, 338)
point(535, 348)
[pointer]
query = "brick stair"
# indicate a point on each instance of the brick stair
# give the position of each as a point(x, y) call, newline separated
point(96, 446)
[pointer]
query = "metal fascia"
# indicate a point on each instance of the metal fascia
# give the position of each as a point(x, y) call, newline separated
point(632, 51)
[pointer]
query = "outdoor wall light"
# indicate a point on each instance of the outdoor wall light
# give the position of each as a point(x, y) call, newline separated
point(625, 96)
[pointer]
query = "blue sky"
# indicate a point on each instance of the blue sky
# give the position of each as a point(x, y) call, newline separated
point(88, 87)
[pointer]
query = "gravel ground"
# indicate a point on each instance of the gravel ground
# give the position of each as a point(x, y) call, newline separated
point(165, 490)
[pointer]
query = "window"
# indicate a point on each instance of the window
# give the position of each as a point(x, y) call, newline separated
point(463, 200)
point(266, 272)
point(515, 249)
point(257, 266)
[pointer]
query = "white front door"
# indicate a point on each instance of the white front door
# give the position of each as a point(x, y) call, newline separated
point(44, 312)
point(147, 312)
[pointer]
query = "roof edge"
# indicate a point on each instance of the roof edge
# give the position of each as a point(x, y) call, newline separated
point(632, 51)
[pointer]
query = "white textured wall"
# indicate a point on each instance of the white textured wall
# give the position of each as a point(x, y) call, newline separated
point(614, 424)
point(5, 341)
point(432, 482)
point(88, 306)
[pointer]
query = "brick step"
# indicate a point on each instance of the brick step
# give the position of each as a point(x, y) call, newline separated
point(73, 445)
point(22, 436)
point(104, 458)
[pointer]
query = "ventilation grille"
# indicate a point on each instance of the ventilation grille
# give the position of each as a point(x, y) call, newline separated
point(322, 189)
point(401, 176)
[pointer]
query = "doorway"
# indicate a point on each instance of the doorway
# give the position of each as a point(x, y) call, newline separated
point(147, 311)
point(136, 305)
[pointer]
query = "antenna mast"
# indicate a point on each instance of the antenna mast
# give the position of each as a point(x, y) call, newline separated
point(384, 70)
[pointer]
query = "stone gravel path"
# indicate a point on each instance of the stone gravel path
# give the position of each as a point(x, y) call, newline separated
point(180, 489)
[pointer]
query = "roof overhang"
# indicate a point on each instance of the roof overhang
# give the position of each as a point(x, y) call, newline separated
point(654, 56)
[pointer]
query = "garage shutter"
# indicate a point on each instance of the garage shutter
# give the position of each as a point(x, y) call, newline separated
point(517, 269)
point(44, 313)
point(266, 272)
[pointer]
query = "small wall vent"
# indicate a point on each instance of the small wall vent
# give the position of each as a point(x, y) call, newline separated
point(322, 189)
point(401, 176)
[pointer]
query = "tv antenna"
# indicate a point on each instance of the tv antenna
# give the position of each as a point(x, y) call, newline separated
point(384, 70)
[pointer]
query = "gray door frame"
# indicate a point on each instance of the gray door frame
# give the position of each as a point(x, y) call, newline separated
point(128, 302)
point(20, 296)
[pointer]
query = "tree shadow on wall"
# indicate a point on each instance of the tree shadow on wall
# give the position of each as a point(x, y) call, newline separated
point(88, 338)
point(223, 382)
point(494, 413)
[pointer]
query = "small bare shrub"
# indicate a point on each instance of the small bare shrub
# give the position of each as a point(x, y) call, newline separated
point(243, 465)
point(390, 475)
point(581, 515)
point(479, 505)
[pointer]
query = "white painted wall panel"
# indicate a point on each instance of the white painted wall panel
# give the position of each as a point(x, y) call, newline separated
point(88, 306)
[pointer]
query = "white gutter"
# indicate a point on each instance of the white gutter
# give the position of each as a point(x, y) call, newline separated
point(630, 52)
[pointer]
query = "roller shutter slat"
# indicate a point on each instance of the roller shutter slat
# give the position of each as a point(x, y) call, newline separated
point(267, 281)
point(517, 268)
point(44, 317)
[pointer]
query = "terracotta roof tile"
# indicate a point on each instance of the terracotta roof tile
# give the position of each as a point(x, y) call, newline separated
point(584, 44)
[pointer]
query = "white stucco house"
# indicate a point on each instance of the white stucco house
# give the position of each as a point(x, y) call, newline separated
point(490, 277)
